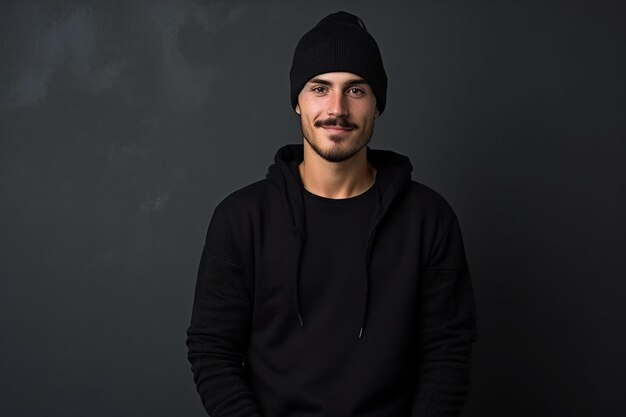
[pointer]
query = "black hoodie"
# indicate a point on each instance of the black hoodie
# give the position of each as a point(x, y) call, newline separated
point(410, 355)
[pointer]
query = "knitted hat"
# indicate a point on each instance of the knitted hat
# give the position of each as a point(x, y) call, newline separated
point(339, 43)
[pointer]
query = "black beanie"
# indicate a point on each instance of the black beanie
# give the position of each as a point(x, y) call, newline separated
point(339, 43)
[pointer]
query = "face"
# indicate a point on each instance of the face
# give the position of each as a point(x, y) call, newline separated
point(337, 112)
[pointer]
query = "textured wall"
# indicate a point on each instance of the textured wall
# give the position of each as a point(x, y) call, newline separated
point(122, 124)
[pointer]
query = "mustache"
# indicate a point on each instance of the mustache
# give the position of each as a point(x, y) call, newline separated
point(335, 122)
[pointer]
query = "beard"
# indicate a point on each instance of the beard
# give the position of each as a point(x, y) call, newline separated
point(336, 154)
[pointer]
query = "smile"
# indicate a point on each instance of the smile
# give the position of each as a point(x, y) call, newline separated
point(337, 129)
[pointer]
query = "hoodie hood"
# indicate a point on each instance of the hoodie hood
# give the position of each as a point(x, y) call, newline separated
point(393, 175)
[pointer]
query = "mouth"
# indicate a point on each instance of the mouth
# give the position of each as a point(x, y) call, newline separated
point(336, 126)
point(336, 129)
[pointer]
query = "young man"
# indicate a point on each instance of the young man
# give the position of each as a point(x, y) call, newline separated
point(337, 285)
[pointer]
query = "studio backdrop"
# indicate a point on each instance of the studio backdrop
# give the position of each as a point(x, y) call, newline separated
point(123, 124)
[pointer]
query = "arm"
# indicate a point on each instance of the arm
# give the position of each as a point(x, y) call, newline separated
point(220, 323)
point(447, 328)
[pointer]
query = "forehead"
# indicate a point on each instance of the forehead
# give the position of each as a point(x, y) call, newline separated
point(340, 78)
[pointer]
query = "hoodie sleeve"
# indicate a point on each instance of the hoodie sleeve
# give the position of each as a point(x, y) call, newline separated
point(217, 336)
point(447, 328)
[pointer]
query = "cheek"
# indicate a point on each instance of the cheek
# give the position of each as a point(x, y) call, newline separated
point(310, 115)
point(366, 109)
point(310, 110)
point(368, 116)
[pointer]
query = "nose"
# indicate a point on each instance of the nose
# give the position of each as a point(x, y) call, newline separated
point(337, 106)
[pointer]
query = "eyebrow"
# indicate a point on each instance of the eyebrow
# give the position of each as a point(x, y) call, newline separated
point(354, 81)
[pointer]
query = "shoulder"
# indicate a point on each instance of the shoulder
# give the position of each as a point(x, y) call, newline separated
point(246, 194)
point(244, 198)
point(429, 201)
point(245, 206)
point(230, 229)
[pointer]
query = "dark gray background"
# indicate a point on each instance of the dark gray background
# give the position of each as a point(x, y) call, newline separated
point(124, 123)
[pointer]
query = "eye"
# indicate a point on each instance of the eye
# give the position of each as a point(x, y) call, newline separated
point(319, 89)
point(355, 91)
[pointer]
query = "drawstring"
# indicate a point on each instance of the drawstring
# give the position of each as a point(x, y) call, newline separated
point(365, 297)
point(368, 252)
point(296, 285)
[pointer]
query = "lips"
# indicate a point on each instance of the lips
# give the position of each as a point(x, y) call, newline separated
point(336, 129)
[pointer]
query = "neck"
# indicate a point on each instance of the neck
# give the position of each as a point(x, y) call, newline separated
point(336, 179)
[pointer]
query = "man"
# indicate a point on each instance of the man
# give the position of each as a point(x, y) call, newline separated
point(336, 286)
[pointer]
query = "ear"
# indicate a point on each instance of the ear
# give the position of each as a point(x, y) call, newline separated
point(376, 114)
point(298, 108)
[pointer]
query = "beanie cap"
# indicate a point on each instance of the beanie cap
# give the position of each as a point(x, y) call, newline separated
point(339, 43)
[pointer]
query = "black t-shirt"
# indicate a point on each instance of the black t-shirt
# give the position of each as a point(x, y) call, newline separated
point(333, 267)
